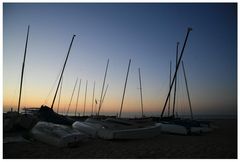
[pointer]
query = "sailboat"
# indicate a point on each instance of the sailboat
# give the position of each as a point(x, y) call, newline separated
point(172, 124)
point(118, 128)
point(11, 119)
point(46, 113)
point(54, 129)
point(114, 129)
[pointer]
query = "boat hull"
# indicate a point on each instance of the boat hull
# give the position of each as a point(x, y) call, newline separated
point(133, 133)
point(174, 129)
point(57, 135)
point(88, 128)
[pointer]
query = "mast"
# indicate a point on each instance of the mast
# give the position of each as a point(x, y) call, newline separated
point(100, 102)
point(105, 93)
point(85, 98)
point(124, 88)
point(93, 97)
point(95, 106)
point(140, 83)
point(78, 97)
point(175, 86)
point(169, 101)
point(23, 65)
point(174, 77)
point(60, 94)
point(72, 96)
point(189, 101)
point(62, 71)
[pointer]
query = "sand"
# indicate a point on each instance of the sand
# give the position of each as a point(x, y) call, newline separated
point(219, 144)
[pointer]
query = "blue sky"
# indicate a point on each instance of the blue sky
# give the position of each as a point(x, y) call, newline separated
point(145, 33)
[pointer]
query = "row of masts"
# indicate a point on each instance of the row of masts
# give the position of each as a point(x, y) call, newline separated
point(60, 82)
point(78, 93)
point(175, 92)
point(102, 95)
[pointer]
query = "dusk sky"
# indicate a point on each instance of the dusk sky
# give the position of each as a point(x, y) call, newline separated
point(145, 33)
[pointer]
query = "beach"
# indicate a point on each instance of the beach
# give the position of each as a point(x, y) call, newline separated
point(218, 144)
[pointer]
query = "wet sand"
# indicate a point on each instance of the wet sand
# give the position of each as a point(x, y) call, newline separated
point(219, 144)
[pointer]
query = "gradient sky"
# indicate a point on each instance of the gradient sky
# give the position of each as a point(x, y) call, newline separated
point(145, 33)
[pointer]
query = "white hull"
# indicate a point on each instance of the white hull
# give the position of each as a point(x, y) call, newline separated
point(182, 130)
point(174, 129)
point(200, 130)
point(57, 135)
point(87, 128)
point(132, 133)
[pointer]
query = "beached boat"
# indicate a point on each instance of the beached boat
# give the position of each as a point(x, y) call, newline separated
point(206, 126)
point(57, 135)
point(130, 133)
point(171, 124)
point(126, 129)
point(184, 127)
point(173, 128)
point(91, 126)
point(111, 128)
point(88, 128)
point(13, 121)
point(47, 114)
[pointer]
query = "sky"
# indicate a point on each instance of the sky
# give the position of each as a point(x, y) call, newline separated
point(145, 33)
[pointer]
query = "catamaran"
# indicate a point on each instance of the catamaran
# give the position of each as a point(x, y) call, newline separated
point(171, 124)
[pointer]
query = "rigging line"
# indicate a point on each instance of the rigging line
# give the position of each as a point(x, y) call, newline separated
point(100, 102)
point(140, 83)
point(180, 107)
point(175, 86)
point(13, 97)
point(59, 97)
point(189, 101)
point(55, 81)
point(78, 96)
point(105, 93)
point(181, 94)
point(53, 85)
point(72, 96)
point(93, 97)
point(85, 98)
